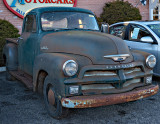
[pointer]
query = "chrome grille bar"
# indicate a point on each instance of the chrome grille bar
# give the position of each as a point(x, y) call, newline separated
point(99, 73)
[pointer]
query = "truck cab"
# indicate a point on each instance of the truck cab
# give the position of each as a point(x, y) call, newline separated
point(63, 55)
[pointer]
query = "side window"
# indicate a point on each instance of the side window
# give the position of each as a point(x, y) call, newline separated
point(118, 30)
point(136, 32)
point(30, 24)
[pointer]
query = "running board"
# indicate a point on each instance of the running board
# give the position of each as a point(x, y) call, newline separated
point(23, 77)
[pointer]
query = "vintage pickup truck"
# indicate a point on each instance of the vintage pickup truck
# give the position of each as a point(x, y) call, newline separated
point(63, 55)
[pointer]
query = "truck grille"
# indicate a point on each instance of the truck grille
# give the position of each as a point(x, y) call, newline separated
point(112, 87)
point(109, 88)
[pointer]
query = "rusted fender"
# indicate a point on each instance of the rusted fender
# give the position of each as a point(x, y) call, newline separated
point(102, 100)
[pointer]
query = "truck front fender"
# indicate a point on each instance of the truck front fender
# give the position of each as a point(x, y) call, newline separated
point(52, 63)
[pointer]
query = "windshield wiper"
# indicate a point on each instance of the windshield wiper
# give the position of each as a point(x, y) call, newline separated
point(92, 29)
point(85, 29)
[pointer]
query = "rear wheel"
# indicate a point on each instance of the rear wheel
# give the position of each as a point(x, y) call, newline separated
point(52, 102)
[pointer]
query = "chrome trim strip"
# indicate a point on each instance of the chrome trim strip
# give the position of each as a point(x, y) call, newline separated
point(118, 55)
point(91, 75)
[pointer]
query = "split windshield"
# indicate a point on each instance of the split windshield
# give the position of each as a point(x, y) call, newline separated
point(155, 28)
point(68, 20)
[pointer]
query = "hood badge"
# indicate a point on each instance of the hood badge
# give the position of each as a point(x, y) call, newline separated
point(117, 58)
point(44, 48)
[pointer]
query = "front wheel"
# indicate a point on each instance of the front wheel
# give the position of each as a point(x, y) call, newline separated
point(52, 102)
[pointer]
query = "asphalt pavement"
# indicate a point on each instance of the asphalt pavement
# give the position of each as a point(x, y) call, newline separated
point(18, 105)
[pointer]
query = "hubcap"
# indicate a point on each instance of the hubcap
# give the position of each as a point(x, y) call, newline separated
point(51, 97)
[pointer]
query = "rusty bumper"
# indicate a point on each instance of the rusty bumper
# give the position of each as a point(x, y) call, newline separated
point(102, 100)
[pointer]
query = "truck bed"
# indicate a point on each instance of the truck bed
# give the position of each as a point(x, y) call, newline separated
point(12, 40)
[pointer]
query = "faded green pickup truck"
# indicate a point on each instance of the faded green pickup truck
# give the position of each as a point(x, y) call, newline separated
point(63, 55)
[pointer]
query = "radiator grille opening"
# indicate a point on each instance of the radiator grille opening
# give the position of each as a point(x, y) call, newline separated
point(132, 70)
point(97, 87)
point(109, 88)
point(100, 73)
point(130, 82)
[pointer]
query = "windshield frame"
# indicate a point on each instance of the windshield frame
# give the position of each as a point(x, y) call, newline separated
point(62, 29)
point(153, 30)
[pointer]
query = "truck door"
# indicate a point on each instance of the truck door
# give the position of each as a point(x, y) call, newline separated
point(27, 44)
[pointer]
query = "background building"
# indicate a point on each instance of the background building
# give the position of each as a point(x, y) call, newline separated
point(150, 11)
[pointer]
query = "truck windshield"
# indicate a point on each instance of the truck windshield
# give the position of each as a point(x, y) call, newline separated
point(155, 28)
point(68, 20)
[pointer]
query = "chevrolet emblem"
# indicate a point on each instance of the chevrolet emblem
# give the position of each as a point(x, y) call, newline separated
point(117, 58)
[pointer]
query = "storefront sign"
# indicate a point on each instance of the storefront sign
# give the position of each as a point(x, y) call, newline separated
point(20, 7)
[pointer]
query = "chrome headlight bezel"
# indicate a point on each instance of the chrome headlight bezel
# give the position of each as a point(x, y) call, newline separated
point(65, 68)
point(148, 60)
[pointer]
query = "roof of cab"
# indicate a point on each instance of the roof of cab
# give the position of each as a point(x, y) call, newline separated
point(59, 9)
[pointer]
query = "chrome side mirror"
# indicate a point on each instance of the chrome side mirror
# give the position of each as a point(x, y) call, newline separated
point(105, 28)
point(147, 39)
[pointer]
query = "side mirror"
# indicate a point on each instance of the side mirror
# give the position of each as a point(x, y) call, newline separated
point(147, 39)
point(105, 28)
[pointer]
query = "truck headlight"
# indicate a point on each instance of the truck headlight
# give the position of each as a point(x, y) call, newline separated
point(151, 61)
point(70, 68)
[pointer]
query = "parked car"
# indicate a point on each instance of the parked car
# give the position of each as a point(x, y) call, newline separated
point(63, 55)
point(140, 35)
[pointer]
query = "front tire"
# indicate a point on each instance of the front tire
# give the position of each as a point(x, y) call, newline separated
point(52, 102)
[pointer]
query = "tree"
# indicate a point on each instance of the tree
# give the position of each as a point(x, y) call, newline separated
point(7, 30)
point(119, 11)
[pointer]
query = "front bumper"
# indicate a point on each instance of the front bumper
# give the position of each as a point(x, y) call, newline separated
point(102, 100)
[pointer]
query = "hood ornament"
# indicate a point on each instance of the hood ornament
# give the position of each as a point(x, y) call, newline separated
point(117, 58)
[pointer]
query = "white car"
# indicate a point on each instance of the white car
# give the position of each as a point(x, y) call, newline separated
point(140, 35)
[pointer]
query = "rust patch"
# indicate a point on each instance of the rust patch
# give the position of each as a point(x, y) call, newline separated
point(66, 102)
point(101, 100)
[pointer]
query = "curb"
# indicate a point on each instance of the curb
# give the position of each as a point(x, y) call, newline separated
point(2, 69)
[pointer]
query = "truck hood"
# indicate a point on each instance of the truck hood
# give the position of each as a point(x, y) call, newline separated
point(94, 45)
